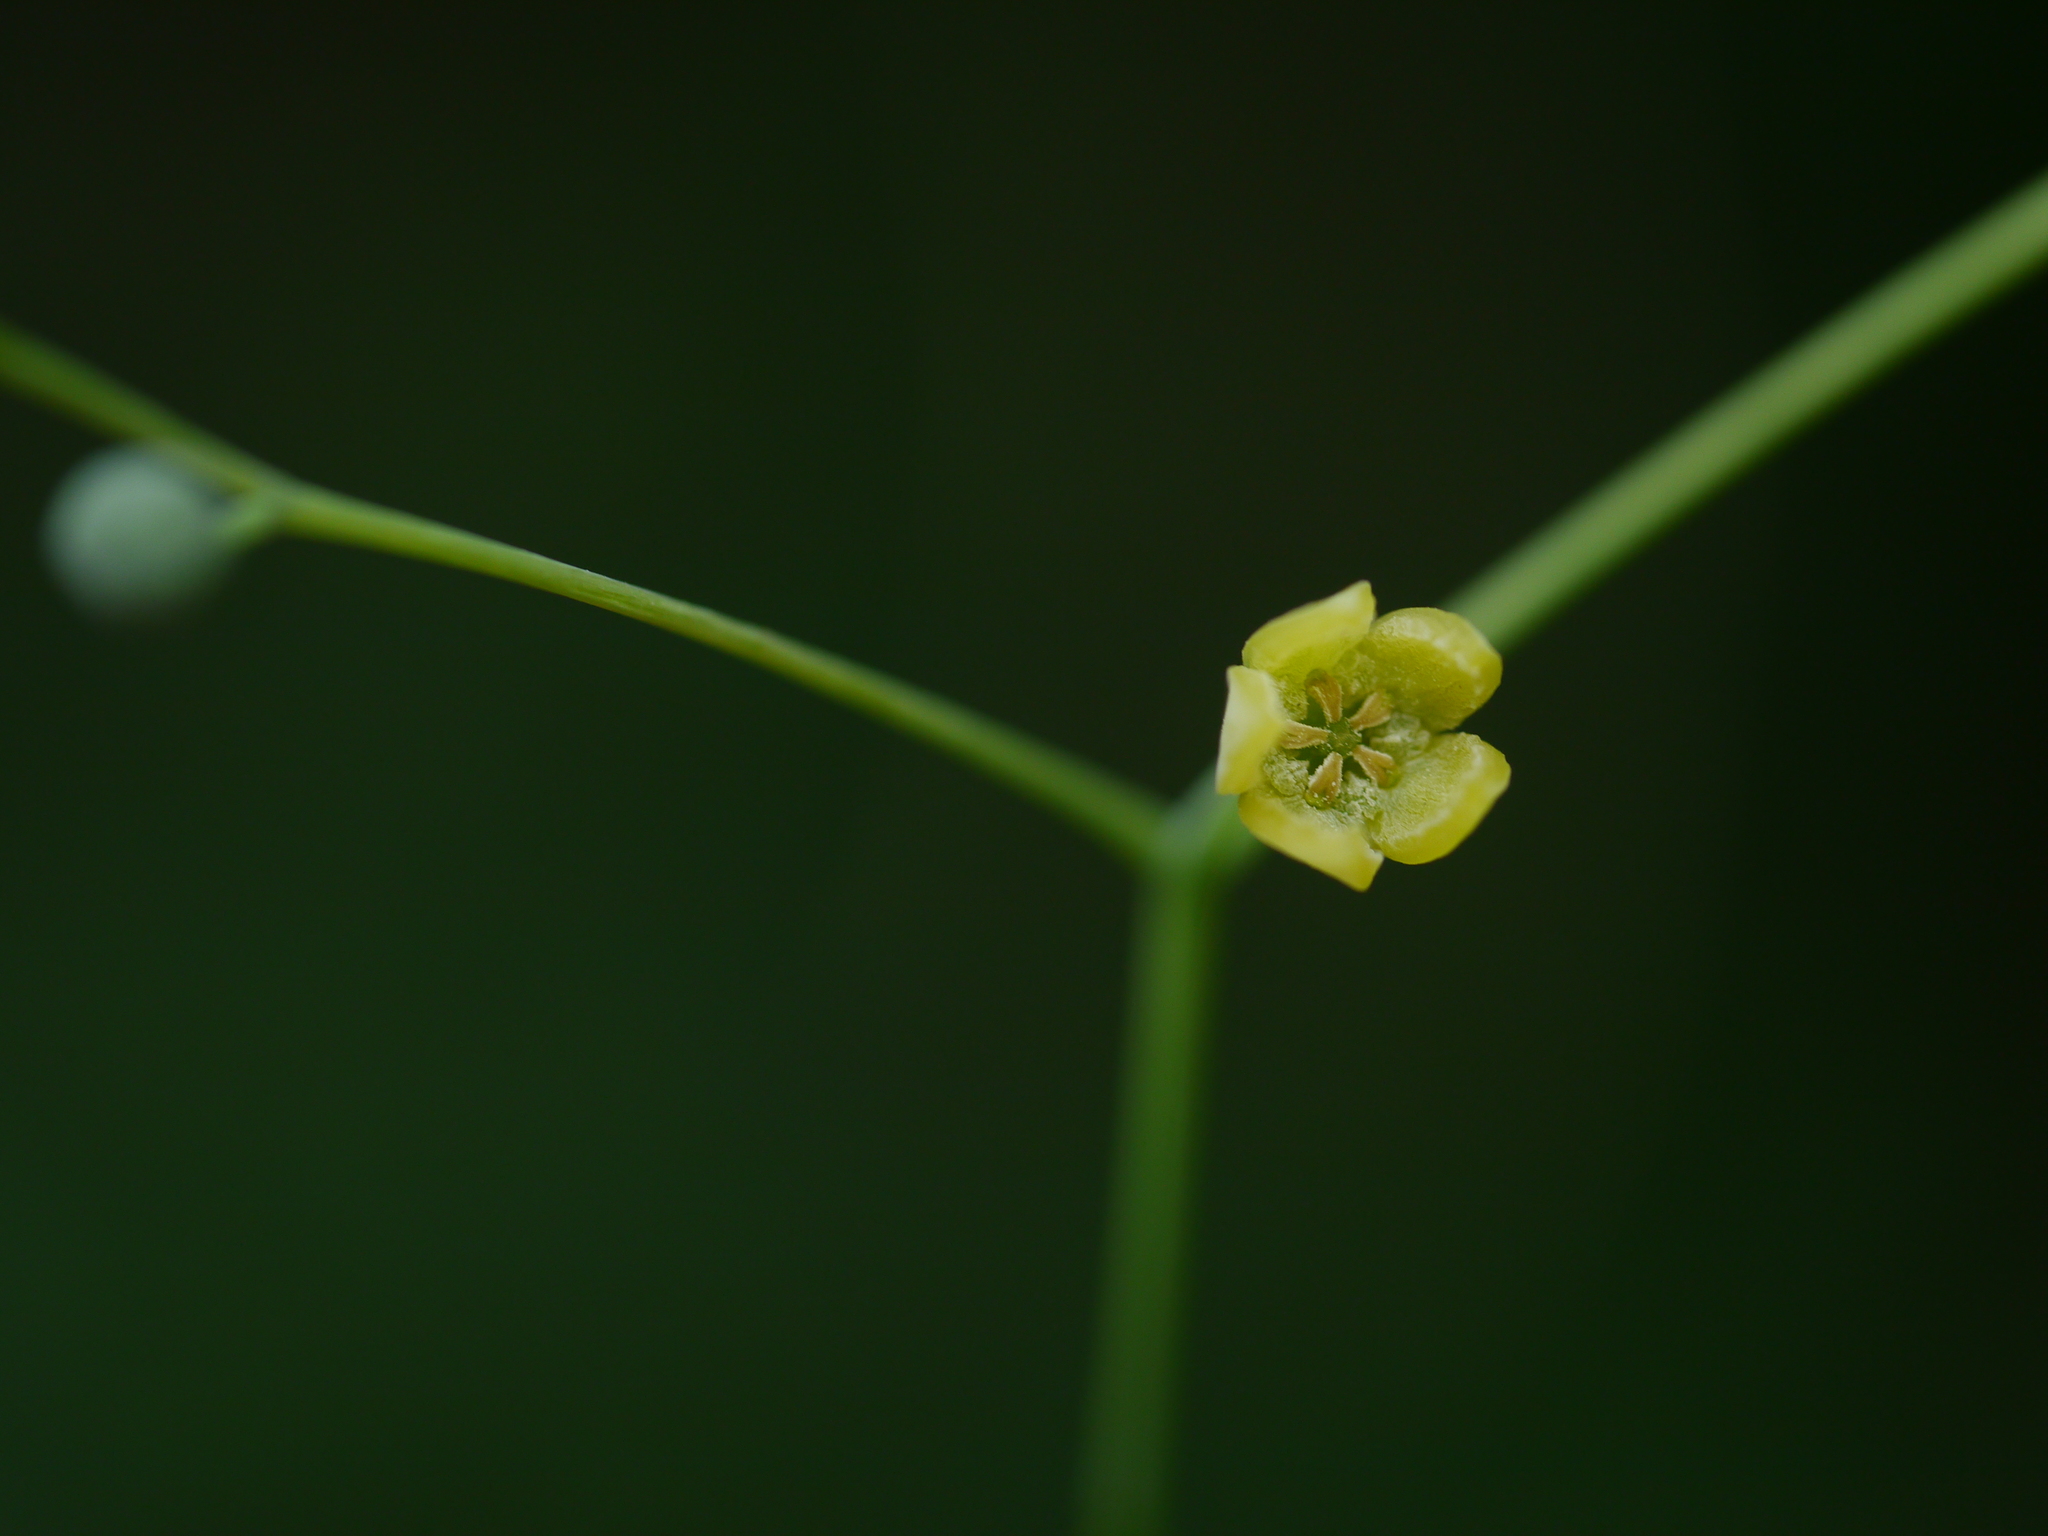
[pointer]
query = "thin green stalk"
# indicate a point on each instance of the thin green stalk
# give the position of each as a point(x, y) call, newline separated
point(1126, 1464)
point(1127, 1451)
point(1119, 814)
point(1094, 799)
point(1646, 498)
point(72, 387)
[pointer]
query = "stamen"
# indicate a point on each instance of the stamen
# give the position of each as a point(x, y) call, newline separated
point(1377, 765)
point(1327, 779)
point(1295, 737)
point(1325, 692)
point(1374, 711)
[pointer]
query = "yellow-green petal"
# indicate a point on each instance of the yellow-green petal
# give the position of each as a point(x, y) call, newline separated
point(1443, 794)
point(1252, 723)
point(1432, 664)
point(1320, 839)
point(1321, 635)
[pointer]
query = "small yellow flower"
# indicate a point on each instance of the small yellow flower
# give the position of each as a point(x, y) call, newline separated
point(1337, 738)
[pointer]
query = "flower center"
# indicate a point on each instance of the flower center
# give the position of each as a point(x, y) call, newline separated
point(1335, 739)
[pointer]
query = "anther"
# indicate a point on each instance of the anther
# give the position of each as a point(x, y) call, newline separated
point(1327, 779)
point(1377, 765)
point(1297, 736)
point(1325, 692)
point(1374, 711)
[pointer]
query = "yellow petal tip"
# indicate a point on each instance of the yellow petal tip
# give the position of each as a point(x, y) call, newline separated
point(1253, 720)
point(1316, 635)
point(1444, 793)
point(1321, 842)
point(1435, 665)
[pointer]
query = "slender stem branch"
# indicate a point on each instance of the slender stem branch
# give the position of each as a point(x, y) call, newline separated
point(1647, 497)
point(1121, 815)
point(73, 387)
point(1127, 1461)
point(1092, 798)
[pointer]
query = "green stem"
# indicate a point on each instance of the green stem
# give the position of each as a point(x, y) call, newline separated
point(72, 387)
point(1093, 799)
point(1518, 594)
point(1127, 1453)
point(1119, 814)
point(1127, 1460)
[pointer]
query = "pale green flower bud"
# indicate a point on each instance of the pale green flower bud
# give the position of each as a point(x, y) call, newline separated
point(132, 534)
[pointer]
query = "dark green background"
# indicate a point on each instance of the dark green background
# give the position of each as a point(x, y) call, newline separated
point(473, 1063)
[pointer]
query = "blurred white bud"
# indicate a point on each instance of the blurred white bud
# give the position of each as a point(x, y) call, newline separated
point(132, 534)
